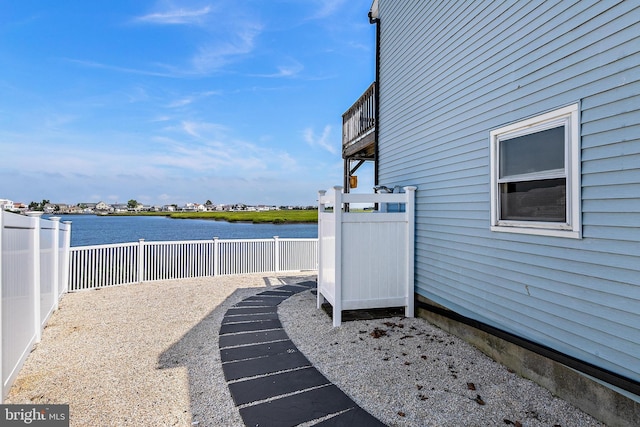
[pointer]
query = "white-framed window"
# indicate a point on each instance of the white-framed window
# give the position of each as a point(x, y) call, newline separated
point(535, 175)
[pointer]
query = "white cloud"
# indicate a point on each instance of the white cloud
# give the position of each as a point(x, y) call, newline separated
point(292, 69)
point(225, 159)
point(181, 102)
point(284, 71)
point(190, 99)
point(322, 141)
point(137, 94)
point(176, 16)
point(223, 37)
point(215, 54)
point(327, 8)
point(126, 70)
point(203, 129)
point(55, 121)
point(198, 147)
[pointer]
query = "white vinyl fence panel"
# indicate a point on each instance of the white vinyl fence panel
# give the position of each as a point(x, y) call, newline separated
point(298, 254)
point(177, 260)
point(30, 267)
point(100, 266)
point(247, 256)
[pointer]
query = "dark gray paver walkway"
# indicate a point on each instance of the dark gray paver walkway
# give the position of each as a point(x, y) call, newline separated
point(270, 380)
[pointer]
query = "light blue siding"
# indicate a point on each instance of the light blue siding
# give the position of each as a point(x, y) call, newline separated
point(450, 72)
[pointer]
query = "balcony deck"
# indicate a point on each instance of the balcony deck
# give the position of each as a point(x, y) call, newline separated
point(359, 127)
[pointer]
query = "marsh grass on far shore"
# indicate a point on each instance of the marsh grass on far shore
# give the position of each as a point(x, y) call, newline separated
point(275, 217)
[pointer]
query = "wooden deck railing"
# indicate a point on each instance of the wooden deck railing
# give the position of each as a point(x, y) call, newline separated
point(359, 123)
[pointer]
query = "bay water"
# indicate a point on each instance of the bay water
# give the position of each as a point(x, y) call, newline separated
point(98, 230)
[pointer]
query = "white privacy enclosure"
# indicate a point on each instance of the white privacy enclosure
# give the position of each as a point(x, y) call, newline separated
point(366, 259)
point(34, 267)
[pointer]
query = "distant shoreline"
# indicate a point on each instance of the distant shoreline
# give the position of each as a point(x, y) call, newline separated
point(294, 216)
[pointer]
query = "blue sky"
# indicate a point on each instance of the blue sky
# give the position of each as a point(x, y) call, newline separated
point(233, 101)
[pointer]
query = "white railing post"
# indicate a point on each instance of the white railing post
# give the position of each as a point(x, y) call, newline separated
point(35, 271)
point(66, 256)
point(216, 256)
point(321, 209)
point(141, 260)
point(337, 222)
point(410, 209)
point(56, 259)
point(2, 214)
point(276, 254)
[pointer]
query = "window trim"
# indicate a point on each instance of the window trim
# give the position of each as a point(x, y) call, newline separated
point(568, 116)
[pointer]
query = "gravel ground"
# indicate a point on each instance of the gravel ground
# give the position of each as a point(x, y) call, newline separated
point(407, 372)
point(147, 355)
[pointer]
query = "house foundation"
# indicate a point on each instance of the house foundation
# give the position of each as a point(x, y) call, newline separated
point(587, 393)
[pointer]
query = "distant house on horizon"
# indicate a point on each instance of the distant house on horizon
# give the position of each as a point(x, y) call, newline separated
point(189, 207)
point(120, 207)
point(20, 207)
point(103, 207)
point(266, 208)
point(7, 205)
point(87, 207)
point(74, 209)
point(51, 208)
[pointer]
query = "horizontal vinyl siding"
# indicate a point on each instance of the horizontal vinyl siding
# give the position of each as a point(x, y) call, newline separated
point(452, 71)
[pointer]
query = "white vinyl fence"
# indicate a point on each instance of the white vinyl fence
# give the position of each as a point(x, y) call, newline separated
point(118, 264)
point(37, 265)
point(33, 275)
